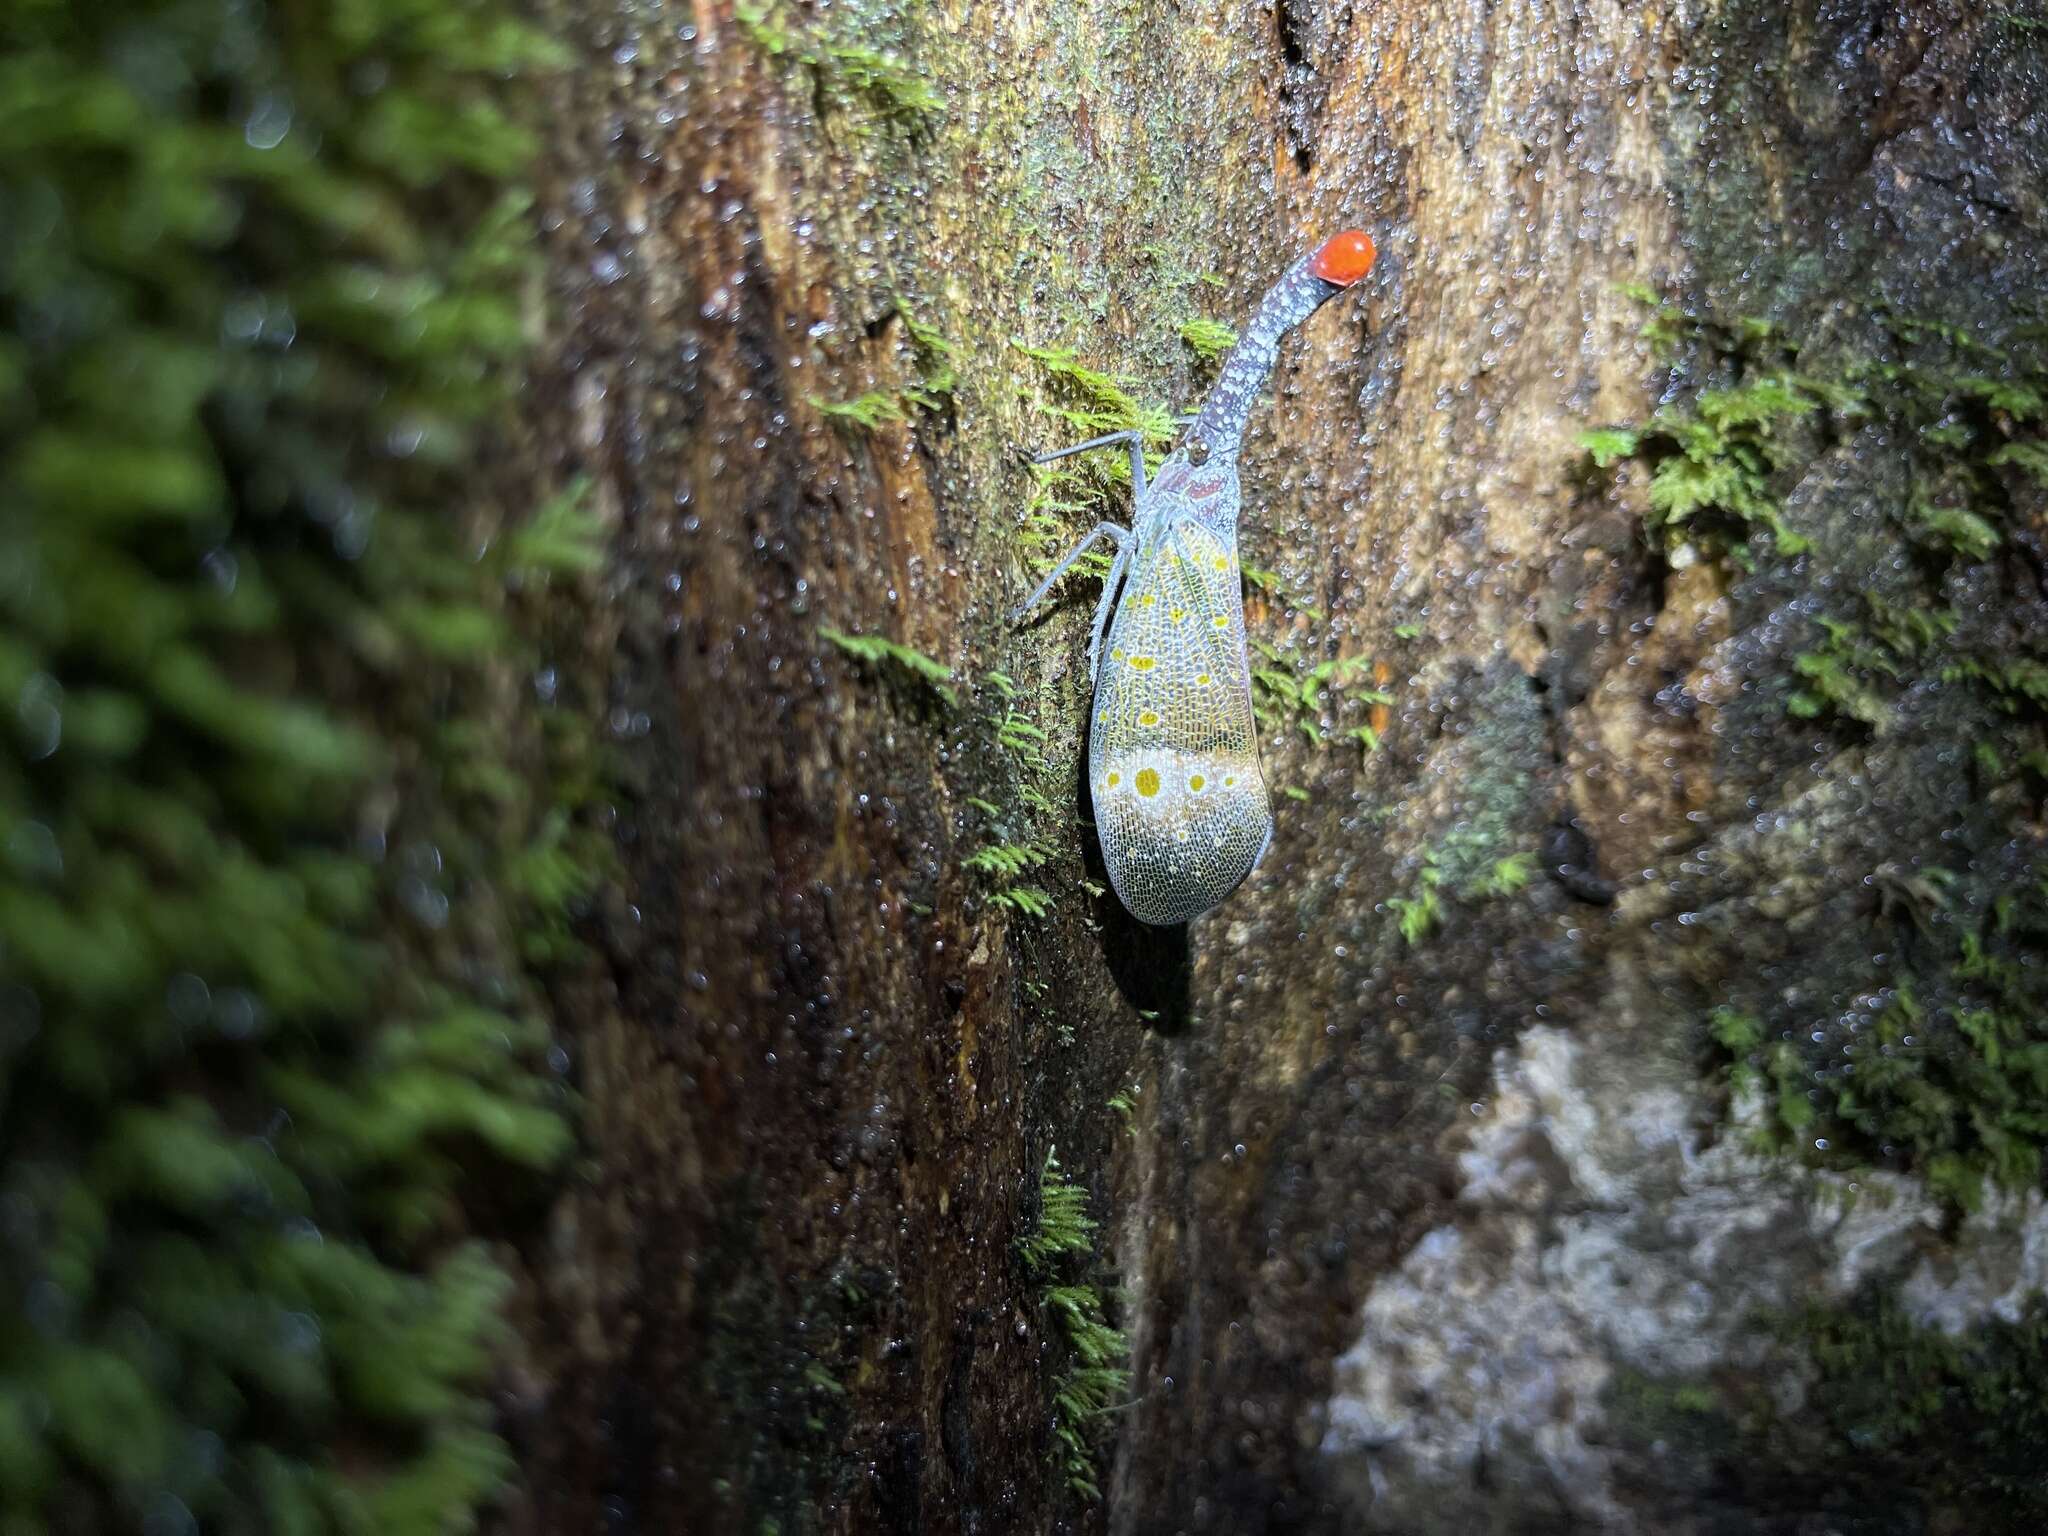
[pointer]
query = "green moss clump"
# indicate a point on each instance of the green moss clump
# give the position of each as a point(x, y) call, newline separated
point(1715, 464)
point(1063, 1225)
point(906, 661)
point(269, 867)
point(1959, 1418)
point(845, 75)
point(1506, 876)
point(1945, 1070)
point(1901, 1429)
point(870, 412)
point(1080, 402)
point(1290, 693)
point(1950, 1077)
point(1967, 412)
point(1418, 915)
point(1008, 861)
point(1091, 403)
point(1095, 1380)
point(1084, 402)
point(930, 359)
point(1210, 339)
point(1097, 1371)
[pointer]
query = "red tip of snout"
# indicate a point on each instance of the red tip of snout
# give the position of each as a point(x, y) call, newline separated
point(1344, 258)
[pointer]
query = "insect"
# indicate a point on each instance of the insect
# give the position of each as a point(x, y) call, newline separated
point(1181, 805)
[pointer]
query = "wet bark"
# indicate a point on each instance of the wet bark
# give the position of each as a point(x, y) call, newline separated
point(828, 1068)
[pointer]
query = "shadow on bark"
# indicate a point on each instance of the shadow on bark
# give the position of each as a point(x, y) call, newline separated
point(1150, 966)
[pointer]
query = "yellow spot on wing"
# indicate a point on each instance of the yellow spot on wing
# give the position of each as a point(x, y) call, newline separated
point(1221, 621)
point(1115, 779)
point(1144, 663)
point(1196, 782)
point(1148, 717)
point(1148, 782)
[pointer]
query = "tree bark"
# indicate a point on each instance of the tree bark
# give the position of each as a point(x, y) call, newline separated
point(819, 1097)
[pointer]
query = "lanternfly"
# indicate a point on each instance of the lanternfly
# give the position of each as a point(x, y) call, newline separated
point(1181, 805)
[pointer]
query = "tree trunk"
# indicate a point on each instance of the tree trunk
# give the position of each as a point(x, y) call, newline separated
point(1466, 1185)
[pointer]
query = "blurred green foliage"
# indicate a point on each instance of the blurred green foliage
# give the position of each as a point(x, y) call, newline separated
point(272, 864)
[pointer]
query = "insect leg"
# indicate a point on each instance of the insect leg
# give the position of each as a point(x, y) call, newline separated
point(1120, 536)
point(1130, 436)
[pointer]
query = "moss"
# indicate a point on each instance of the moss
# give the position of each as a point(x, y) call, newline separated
point(1716, 464)
point(1290, 693)
point(1124, 1103)
point(1949, 1077)
point(1006, 858)
point(848, 76)
point(1062, 1225)
point(1210, 339)
point(1269, 584)
point(1719, 465)
point(1090, 403)
point(869, 412)
point(1507, 876)
point(1026, 900)
point(902, 660)
point(1833, 676)
point(1007, 861)
point(275, 852)
point(930, 389)
point(1943, 1066)
point(1096, 1373)
point(1901, 1428)
point(1419, 914)
point(1095, 1379)
point(1021, 737)
point(1081, 402)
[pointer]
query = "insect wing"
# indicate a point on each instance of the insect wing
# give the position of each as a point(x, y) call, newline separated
point(1180, 802)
